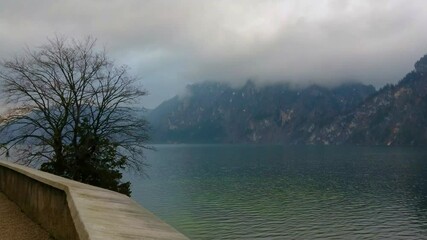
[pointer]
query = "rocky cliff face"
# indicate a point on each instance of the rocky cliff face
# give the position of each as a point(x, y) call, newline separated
point(213, 112)
point(348, 114)
point(395, 115)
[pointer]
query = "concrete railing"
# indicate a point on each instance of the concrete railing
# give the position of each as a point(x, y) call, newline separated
point(71, 210)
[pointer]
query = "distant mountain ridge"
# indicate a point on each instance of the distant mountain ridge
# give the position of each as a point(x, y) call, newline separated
point(214, 112)
point(348, 114)
point(395, 115)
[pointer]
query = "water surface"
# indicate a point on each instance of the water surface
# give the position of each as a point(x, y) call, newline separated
point(276, 192)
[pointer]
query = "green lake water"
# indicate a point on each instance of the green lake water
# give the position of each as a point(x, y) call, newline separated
point(292, 192)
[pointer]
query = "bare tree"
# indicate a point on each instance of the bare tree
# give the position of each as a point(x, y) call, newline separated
point(76, 113)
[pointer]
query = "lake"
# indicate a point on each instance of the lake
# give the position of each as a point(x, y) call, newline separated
point(292, 192)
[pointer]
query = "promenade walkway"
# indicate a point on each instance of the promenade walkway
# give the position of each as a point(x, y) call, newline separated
point(14, 224)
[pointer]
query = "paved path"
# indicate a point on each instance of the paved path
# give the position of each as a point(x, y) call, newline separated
point(14, 224)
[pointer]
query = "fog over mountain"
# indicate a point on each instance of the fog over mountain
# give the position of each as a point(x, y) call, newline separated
point(173, 43)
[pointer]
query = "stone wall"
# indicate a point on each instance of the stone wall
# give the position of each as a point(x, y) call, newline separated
point(72, 210)
point(42, 203)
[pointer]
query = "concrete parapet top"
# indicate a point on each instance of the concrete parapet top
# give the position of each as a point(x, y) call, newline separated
point(102, 214)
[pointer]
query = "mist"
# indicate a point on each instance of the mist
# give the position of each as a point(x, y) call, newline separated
point(170, 44)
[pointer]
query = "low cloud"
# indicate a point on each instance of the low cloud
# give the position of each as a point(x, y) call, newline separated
point(173, 43)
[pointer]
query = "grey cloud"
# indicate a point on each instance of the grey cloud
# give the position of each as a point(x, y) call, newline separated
point(173, 43)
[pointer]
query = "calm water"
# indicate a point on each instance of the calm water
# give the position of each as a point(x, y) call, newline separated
point(276, 192)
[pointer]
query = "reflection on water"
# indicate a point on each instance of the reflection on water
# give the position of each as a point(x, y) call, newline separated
point(276, 192)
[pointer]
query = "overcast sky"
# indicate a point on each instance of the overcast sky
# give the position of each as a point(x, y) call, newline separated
point(171, 43)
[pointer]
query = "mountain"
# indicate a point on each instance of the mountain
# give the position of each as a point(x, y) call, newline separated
point(395, 115)
point(348, 114)
point(216, 113)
